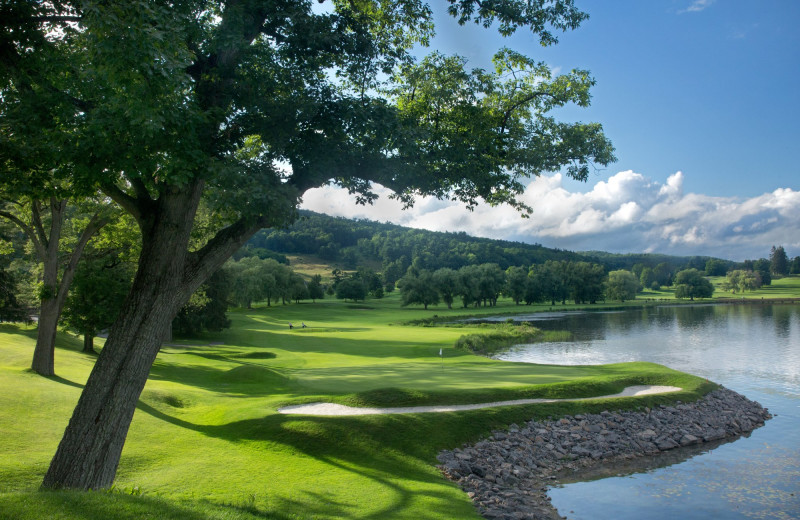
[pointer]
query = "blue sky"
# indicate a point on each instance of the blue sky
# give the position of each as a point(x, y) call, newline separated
point(702, 102)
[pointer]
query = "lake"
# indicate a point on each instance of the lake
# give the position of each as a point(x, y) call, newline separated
point(752, 349)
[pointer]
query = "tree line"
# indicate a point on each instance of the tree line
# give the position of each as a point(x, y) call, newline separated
point(552, 282)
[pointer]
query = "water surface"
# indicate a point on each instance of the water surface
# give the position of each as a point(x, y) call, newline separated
point(752, 349)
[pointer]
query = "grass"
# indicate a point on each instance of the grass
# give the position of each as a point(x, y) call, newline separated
point(207, 442)
point(785, 287)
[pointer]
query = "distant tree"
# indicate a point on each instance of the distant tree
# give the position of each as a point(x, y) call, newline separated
point(249, 279)
point(778, 261)
point(534, 292)
point(762, 266)
point(691, 284)
point(394, 270)
point(298, 289)
point(516, 283)
point(795, 267)
point(315, 289)
point(417, 286)
point(553, 279)
point(739, 280)
point(206, 309)
point(622, 285)
point(491, 280)
point(585, 282)
point(372, 280)
point(351, 289)
point(446, 282)
point(663, 273)
point(468, 288)
point(715, 267)
point(647, 278)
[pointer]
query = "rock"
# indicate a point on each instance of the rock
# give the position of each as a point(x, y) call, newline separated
point(688, 440)
point(508, 474)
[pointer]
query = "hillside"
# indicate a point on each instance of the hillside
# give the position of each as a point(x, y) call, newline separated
point(391, 248)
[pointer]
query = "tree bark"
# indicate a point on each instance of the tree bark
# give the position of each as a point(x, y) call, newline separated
point(88, 342)
point(167, 275)
point(43, 362)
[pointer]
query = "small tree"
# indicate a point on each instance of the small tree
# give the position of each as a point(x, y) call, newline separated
point(715, 267)
point(418, 287)
point(315, 289)
point(351, 289)
point(516, 283)
point(446, 282)
point(740, 280)
point(98, 291)
point(763, 267)
point(691, 284)
point(778, 261)
point(647, 278)
point(622, 285)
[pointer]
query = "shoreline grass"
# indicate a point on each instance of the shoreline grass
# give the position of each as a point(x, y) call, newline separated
point(207, 442)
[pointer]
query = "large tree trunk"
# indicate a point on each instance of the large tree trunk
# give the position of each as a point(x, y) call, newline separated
point(89, 452)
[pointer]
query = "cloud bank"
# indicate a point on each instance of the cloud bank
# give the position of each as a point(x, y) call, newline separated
point(628, 213)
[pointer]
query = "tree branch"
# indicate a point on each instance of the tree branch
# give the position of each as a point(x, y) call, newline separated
point(94, 225)
point(28, 230)
point(142, 193)
point(512, 108)
point(36, 216)
point(128, 203)
point(202, 263)
point(57, 207)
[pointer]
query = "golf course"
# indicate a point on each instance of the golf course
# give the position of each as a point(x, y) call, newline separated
point(207, 440)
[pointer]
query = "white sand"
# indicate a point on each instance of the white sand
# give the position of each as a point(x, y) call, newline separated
point(340, 409)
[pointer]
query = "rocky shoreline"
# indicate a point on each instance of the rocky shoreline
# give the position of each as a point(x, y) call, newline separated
point(508, 474)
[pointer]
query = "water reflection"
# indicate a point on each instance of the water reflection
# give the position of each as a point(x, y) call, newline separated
point(753, 349)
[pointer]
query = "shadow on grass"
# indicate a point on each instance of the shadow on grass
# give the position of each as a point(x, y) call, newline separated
point(92, 505)
point(385, 450)
point(63, 381)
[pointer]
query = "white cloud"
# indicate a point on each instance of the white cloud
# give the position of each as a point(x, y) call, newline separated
point(628, 212)
point(697, 6)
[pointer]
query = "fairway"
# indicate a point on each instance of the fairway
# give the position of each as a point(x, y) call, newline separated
point(207, 441)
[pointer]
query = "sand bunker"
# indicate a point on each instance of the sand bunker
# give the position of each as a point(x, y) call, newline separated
point(340, 409)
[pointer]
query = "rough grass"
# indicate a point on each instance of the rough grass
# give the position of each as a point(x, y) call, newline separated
point(207, 442)
point(494, 337)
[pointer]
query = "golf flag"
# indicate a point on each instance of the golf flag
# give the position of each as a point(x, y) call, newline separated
point(440, 352)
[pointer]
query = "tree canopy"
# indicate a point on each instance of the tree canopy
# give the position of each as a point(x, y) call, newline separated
point(690, 283)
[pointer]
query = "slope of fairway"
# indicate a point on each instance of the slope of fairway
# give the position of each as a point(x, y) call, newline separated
point(207, 441)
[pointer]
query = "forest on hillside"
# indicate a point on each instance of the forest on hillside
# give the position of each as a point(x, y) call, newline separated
point(392, 249)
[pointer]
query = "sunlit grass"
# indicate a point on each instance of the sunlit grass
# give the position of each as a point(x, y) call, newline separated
point(785, 287)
